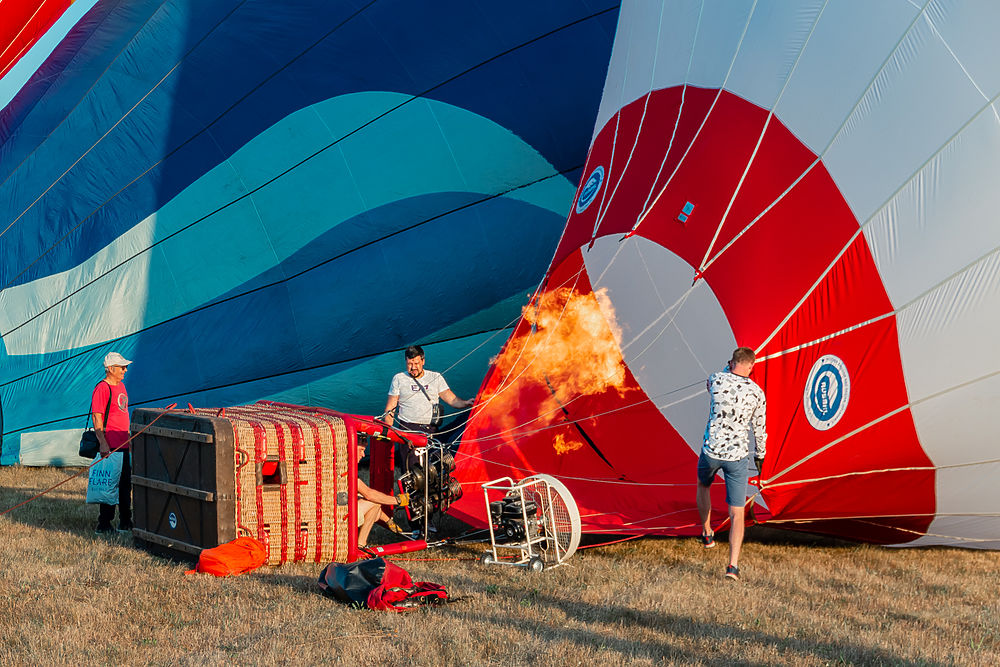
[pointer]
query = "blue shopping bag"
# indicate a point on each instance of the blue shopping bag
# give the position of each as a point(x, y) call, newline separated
point(102, 485)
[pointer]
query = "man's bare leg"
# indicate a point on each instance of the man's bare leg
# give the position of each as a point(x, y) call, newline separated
point(370, 517)
point(735, 533)
point(704, 501)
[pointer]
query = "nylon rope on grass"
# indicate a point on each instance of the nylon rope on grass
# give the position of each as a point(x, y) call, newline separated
point(95, 462)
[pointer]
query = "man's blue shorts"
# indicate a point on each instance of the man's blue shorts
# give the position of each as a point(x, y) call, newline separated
point(735, 473)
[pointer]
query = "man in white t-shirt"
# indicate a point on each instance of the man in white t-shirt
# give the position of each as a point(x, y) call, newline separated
point(415, 395)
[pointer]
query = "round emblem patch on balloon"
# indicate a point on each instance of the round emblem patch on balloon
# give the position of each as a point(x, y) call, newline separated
point(827, 392)
point(590, 189)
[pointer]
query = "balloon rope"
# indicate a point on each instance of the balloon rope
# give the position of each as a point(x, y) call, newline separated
point(360, 10)
point(677, 122)
point(704, 121)
point(604, 544)
point(574, 278)
point(95, 462)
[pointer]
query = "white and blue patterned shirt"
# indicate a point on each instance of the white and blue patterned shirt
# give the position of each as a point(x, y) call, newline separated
point(738, 405)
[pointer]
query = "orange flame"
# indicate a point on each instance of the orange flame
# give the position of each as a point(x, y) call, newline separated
point(572, 350)
point(563, 447)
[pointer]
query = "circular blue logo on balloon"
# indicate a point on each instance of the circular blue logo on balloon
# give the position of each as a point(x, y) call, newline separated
point(827, 392)
point(172, 519)
point(590, 189)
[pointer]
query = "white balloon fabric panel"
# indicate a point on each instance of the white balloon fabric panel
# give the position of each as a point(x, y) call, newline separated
point(825, 171)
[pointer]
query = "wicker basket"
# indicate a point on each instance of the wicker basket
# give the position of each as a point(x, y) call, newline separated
point(276, 473)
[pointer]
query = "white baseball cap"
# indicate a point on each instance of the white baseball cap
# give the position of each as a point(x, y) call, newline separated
point(115, 359)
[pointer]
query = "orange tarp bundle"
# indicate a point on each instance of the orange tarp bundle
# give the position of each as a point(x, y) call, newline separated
point(243, 554)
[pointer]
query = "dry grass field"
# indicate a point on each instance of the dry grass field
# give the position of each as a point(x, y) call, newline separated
point(68, 596)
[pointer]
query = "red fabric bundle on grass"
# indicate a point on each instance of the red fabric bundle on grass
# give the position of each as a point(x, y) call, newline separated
point(244, 554)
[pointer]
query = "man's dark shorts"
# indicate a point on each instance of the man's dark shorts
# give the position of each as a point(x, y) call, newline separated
point(735, 473)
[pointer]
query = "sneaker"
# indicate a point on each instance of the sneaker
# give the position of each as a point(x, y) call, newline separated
point(125, 528)
point(708, 541)
point(733, 572)
point(104, 529)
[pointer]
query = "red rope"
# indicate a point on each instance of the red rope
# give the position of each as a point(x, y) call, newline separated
point(71, 477)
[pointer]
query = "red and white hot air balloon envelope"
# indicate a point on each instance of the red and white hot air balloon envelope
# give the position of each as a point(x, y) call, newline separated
point(816, 181)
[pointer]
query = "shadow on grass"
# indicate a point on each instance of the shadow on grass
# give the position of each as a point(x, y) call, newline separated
point(606, 623)
point(759, 534)
point(59, 510)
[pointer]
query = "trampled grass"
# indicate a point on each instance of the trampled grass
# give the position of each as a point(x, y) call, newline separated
point(68, 596)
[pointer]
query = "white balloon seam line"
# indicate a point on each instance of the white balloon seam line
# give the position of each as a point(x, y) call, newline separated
point(810, 290)
point(878, 72)
point(838, 440)
point(113, 126)
point(961, 65)
point(420, 95)
point(614, 141)
point(895, 312)
point(602, 210)
point(858, 473)
point(767, 209)
point(504, 386)
point(760, 139)
point(831, 336)
point(882, 418)
point(637, 522)
point(833, 139)
point(495, 333)
point(684, 339)
point(614, 147)
point(677, 119)
point(649, 277)
point(862, 519)
point(826, 150)
point(732, 63)
point(671, 310)
point(214, 303)
point(87, 152)
point(80, 101)
point(663, 330)
point(922, 533)
point(20, 32)
point(666, 156)
point(499, 435)
point(685, 399)
point(678, 304)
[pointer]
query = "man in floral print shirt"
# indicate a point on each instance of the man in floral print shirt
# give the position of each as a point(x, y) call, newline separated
point(738, 406)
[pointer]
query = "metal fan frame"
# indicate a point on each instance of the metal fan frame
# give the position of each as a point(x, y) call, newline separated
point(544, 548)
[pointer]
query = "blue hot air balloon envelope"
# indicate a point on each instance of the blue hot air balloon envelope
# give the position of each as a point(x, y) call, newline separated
point(270, 200)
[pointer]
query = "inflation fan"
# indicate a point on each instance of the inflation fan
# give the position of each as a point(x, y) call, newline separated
point(536, 517)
